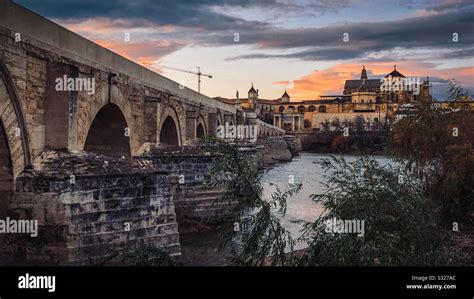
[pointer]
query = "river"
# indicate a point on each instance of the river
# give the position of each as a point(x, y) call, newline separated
point(300, 206)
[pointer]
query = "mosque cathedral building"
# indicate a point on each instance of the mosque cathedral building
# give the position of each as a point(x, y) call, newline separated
point(374, 99)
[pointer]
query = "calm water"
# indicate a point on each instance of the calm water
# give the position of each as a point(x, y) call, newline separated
point(303, 170)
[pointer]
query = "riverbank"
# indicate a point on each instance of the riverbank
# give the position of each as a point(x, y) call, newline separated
point(274, 150)
point(202, 244)
point(356, 142)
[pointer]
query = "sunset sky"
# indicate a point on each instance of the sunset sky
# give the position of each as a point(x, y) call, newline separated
point(280, 41)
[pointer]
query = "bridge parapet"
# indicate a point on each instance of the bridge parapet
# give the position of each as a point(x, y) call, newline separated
point(265, 129)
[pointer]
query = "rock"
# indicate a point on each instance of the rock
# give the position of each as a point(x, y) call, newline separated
point(271, 150)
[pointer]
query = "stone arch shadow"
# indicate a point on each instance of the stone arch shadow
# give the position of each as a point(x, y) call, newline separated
point(220, 120)
point(81, 127)
point(170, 131)
point(201, 128)
point(109, 133)
point(15, 155)
point(13, 121)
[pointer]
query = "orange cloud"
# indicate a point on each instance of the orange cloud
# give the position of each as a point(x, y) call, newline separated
point(331, 80)
point(144, 53)
point(104, 26)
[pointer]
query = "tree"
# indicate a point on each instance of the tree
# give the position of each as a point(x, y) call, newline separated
point(438, 142)
point(336, 123)
point(359, 123)
point(399, 222)
point(326, 125)
point(262, 235)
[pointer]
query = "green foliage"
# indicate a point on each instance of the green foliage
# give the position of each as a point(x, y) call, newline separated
point(147, 255)
point(359, 123)
point(263, 236)
point(438, 142)
point(235, 172)
point(399, 222)
point(455, 92)
point(264, 239)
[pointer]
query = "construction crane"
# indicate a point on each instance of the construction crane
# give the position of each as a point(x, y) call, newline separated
point(198, 73)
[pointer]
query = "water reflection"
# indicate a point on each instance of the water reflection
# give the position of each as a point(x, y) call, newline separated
point(301, 169)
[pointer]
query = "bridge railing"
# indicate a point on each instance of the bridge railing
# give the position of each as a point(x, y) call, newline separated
point(265, 129)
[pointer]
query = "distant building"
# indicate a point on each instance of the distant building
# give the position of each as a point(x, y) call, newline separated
point(376, 100)
point(262, 107)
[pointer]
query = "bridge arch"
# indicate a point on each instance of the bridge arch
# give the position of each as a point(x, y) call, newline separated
point(109, 133)
point(170, 128)
point(220, 121)
point(201, 128)
point(88, 109)
point(16, 136)
point(6, 172)
point(169, 132)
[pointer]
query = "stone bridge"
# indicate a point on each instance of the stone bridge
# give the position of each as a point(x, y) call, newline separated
point(81, 212)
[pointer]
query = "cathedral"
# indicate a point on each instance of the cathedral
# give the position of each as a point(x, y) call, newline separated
point(377, 100)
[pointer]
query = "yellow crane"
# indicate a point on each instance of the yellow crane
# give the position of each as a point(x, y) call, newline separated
point(198, 73)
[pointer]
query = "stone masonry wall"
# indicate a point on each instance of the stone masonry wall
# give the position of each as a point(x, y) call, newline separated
point(30, 62)
point(193, 199)
point(87, 222)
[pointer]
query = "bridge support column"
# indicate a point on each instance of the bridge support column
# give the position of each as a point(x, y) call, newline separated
point(191, 117)
point(212, 126)
point(57, 106)
point(151, 119)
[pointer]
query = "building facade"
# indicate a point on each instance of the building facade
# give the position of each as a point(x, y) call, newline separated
point(375, 100)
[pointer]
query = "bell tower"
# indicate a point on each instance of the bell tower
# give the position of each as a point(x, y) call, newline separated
point(253, 97)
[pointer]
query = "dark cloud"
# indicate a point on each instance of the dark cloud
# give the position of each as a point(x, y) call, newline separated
point(432, 31)
point(148, 12)
point(429, 32)
point(451, 6)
